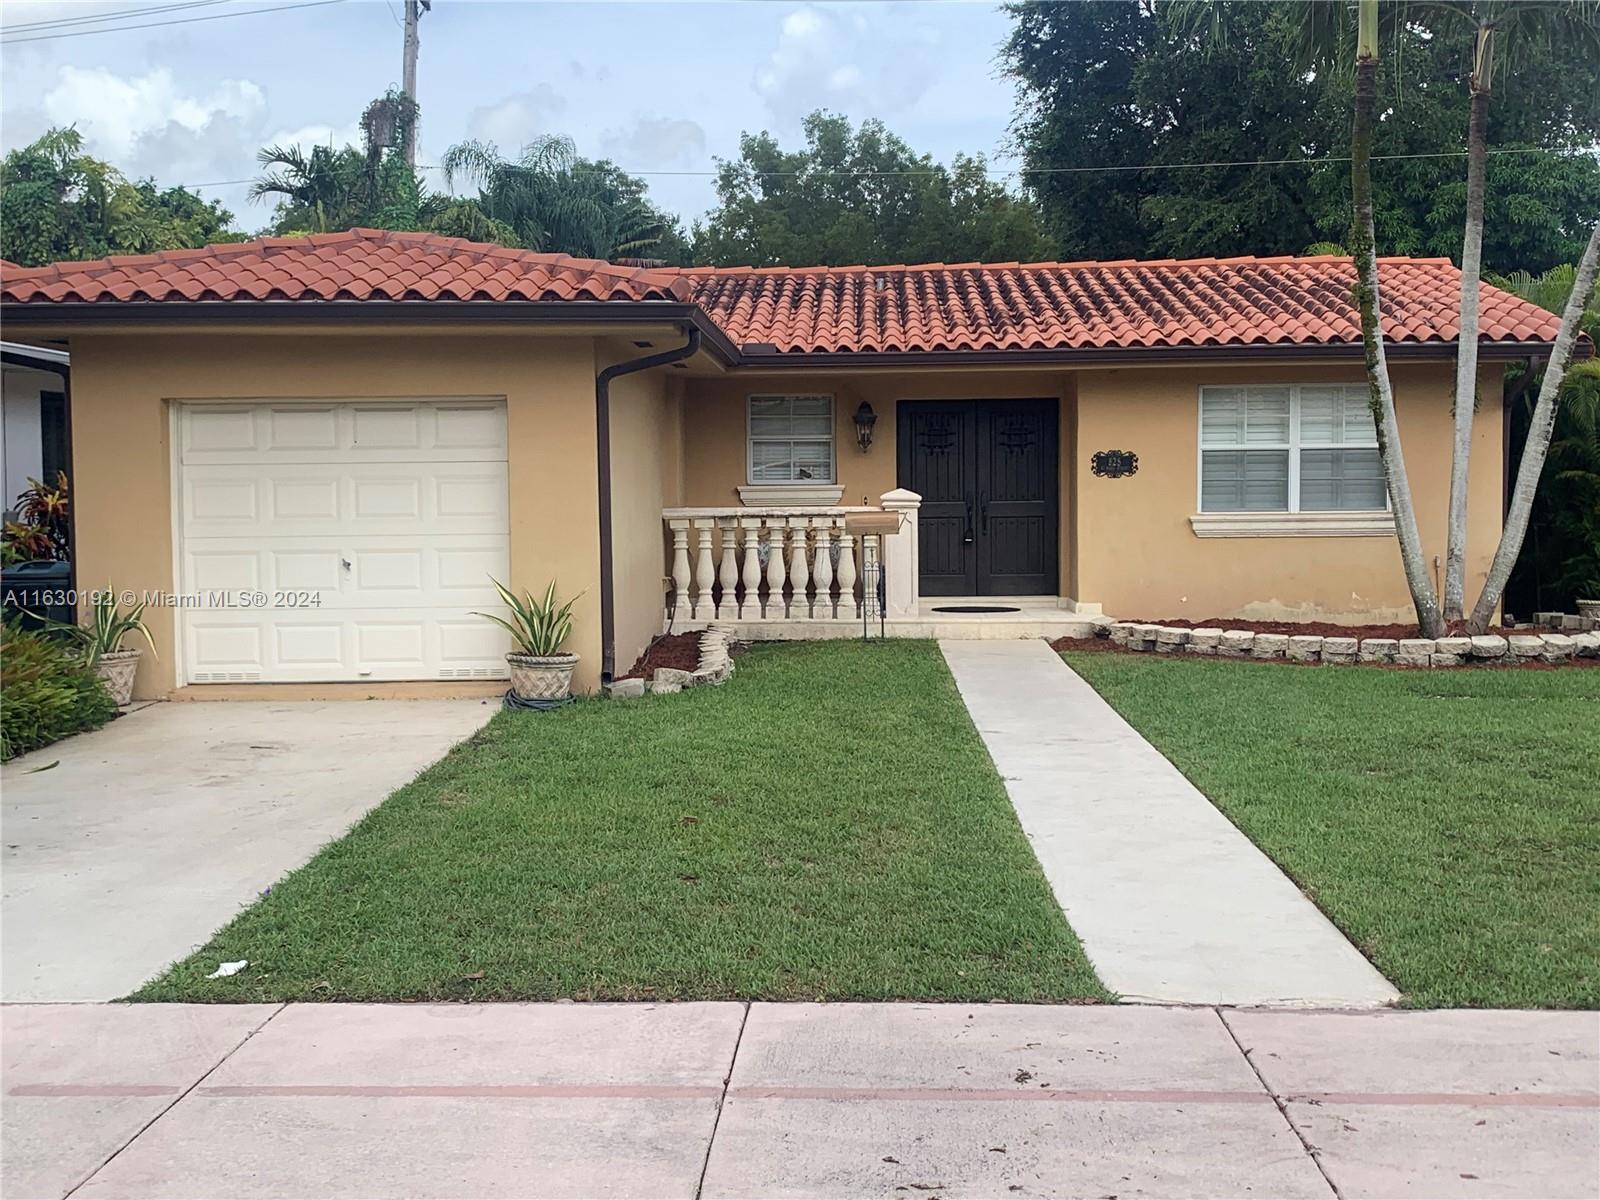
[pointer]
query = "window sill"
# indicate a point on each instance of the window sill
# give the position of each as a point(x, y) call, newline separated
point(1305, 524)
point(776, 495)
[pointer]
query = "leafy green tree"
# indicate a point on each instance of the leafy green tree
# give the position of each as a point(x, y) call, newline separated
point(1106, 83)
point(861, 196)
point(553, 200)
point(1560, 561)
point(58, 203)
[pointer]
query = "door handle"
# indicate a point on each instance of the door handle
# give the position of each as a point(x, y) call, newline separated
point(968, 539)
point(983, 513)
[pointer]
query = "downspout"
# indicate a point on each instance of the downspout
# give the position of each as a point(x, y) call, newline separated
point(602, 441)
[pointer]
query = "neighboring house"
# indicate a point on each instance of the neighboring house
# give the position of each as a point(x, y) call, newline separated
point(372, 424)
point(33, 418)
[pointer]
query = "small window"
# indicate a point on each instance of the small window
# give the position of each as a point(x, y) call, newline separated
point(1289, 449)
point(791, 439)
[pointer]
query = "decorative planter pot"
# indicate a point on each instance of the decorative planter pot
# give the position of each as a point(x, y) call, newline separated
point(534, 677)
point(1589, 608)
point(117, 670)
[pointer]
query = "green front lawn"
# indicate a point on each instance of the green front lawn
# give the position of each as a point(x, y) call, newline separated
point(827, 825)
point(1448, 821)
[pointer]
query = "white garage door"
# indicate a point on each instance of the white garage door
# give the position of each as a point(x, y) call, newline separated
point(342, 541)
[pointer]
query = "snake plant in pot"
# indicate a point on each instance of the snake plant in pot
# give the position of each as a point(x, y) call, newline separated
point(540, 670)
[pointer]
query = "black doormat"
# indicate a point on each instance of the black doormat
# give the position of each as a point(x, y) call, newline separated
point(977, 608)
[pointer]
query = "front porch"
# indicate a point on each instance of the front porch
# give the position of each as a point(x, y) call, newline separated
point(805, 573)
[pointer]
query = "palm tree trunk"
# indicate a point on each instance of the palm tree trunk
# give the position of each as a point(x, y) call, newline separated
point(1466, 404)
point(1364, 250)
point(1538, 443)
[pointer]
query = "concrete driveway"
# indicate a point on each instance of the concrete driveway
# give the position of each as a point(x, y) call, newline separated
point(154, 831)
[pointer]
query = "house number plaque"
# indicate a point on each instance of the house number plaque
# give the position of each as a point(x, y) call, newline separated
point(1114, 464)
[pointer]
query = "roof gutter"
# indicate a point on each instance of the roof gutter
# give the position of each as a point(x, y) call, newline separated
point(602, 441)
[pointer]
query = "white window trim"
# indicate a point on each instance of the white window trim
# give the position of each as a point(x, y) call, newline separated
point(833, 445)
point(1290, 522)
point(1318, 523)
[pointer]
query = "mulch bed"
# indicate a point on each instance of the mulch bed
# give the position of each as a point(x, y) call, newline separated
point(680, 651)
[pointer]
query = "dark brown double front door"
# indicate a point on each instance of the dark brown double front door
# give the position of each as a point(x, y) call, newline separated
point(986, 472)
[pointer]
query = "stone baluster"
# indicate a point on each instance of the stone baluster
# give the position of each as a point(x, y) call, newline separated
point(776, 609)
point(704, 575)
point(728, 573)
point(822, 570)
point(680, 569)
point(750, 602)
point(849, 605)
point(799, 574)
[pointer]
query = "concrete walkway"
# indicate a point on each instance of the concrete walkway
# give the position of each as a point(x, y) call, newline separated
point(151, 833)
point(828, 1101)
point(1173, 904)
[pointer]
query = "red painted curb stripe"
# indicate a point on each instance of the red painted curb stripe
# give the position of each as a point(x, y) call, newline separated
point(555, 1091)
point(581, 1091)
point(94, 1089)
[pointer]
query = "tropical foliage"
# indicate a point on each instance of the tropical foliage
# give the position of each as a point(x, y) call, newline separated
point(107, 624)
point(552, 199)
point(862, 195)
point(1136, 88)
point(46, 692)
point(58, 203)
point(1560, 561)
point(43, 525)
point(537, 627)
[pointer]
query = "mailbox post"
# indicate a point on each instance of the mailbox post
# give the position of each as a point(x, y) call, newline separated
point(870, 528)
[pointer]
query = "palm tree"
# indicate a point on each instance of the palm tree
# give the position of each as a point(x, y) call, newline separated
point(317, 190)
point(555, 201)
point(1364, 250)
point(1507, 33)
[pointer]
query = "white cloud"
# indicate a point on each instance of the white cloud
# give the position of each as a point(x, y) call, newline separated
point(655, 142)
point(517, 120)
point(863, 61)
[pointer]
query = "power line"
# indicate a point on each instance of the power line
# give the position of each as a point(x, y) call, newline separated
point(1259, 162)
point(149, 11)
point(249, 12)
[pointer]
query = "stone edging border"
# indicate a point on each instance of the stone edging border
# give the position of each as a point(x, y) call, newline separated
point(716, 666)
point(1309, 648)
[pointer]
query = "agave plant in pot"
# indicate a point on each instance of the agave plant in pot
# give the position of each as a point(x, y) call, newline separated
point(101, 636)
point(541, 672)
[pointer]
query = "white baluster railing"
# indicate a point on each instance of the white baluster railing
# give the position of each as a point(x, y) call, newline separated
point(776, 566)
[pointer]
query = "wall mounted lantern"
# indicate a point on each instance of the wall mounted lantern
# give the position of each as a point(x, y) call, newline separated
point(865, 419)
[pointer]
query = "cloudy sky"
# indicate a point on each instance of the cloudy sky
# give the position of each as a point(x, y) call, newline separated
point(661, 88)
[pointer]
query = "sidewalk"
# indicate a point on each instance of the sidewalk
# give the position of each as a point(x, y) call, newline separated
point(1172, 903)
point(729, 1099)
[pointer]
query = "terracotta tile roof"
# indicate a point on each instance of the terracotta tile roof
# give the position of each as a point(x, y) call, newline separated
point(822, 310)
point(362, 264)
point(1008, 306)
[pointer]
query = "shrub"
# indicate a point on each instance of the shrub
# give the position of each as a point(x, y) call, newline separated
point(47, 692)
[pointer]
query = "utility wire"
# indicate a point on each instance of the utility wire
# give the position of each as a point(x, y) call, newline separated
point(149, 11)
point(249, 12)
point(1258, 162)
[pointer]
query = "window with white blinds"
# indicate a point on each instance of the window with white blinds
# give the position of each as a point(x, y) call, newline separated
point(1302, 448)
point(791, 439)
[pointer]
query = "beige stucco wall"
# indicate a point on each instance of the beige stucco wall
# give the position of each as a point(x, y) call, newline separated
point(124, 385)
point(1127, 544)
point(646, 449)
point(1138, 556)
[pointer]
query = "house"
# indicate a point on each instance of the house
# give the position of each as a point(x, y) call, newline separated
point(315, 452)
point(33, 418)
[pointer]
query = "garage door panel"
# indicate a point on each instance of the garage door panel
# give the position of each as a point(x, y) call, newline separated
point(371, 530)
point(306, 500)
point(470, 430)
